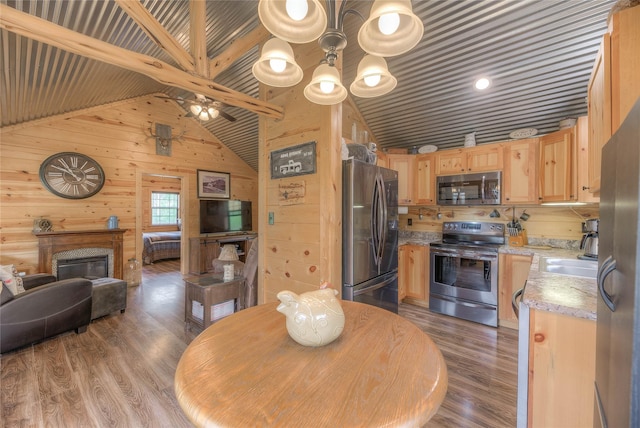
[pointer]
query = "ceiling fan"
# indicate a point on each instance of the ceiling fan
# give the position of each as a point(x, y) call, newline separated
point(203, 108)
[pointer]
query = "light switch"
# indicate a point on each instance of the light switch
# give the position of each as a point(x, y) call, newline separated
point(271, 217)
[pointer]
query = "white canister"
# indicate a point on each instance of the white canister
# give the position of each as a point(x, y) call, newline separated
point(228, 272)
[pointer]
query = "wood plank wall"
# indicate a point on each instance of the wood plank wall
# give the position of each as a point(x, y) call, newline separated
point(115, 135)
point(554, 222)
point(303, 247)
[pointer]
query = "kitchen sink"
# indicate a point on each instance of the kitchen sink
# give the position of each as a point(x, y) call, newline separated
point(573, 267)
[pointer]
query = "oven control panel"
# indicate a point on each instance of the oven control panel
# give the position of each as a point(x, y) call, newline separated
point(473, 227)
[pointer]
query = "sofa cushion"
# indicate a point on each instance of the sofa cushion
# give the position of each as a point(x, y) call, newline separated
point(11, 279)
point(6, 294)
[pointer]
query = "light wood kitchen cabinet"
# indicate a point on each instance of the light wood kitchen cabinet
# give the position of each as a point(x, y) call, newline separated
point(413, 274)
point(513, 270)
point(477, 159)
point(562, 352)
point(405, 165)
point(520, 174)
point(425, 178)
point(614, 85)
point(557, 167)
point(382, 159)
point(582, 154)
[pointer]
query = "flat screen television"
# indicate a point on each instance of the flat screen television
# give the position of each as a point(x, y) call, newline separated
point(225, 215)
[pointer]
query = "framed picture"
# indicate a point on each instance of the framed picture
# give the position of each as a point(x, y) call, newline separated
point(292, 161)
point(213, 184)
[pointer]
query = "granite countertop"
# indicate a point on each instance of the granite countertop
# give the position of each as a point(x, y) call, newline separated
point(568, 295)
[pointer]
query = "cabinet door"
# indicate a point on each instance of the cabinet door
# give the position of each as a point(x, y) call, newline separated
point(451, 162)
point(425, 180)
point(599, 96)
point(404, 271)
point(513, 272)
point(556, 167)
point(404, 164)
point(485, 158)
point(562, 352)
point(520, 177)
point(582, 154)
point(414, 270)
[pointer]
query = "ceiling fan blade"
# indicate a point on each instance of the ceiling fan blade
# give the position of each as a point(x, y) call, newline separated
point(227, 116)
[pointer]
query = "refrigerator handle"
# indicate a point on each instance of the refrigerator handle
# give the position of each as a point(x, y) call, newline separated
point(375, 232)
point(608, 266)
point(383, 219)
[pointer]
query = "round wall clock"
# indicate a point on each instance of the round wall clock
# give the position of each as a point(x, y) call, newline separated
point(72, 175)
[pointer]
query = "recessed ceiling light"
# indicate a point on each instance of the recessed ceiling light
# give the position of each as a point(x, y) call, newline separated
point(482, 83)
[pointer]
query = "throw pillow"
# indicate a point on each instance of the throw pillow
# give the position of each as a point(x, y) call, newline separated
point(6, 295)
point(11, 279)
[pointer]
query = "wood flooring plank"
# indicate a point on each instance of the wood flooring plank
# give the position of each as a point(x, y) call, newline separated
point(120, 372)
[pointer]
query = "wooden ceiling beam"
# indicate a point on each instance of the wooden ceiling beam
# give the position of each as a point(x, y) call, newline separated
point(43, 31)
point(198, 36)
point(157, 33)
point(236, 49)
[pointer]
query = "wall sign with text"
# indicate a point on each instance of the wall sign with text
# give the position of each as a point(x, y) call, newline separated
point(295, 160)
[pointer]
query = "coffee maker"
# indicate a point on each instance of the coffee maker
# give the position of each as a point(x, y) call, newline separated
point(589, 241)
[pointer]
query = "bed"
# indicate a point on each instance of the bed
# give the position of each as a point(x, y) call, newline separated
point(160, 246)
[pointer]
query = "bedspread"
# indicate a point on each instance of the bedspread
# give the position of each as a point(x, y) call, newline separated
point(160, 246)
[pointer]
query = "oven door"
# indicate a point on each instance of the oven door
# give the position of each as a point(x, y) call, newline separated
point(470, 275)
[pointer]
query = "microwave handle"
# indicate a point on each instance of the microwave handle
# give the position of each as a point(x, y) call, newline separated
point(482, 191)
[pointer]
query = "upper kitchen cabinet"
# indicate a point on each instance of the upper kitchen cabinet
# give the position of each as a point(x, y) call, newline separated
point(405, 165)
point(425, 178)
point(478, 159)
point(381, 159)
point(614, 85)
point(520, 174)
point(557, 169)
point(582, 154)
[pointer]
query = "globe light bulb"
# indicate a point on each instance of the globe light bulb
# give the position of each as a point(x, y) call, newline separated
point(278, 65)
point(195, 109)
point(297, 9)
point(204, 115)
point(388, 23)
point(327, 86)
point(372, 80)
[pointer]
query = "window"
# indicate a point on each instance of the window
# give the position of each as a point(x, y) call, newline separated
point(165, 208)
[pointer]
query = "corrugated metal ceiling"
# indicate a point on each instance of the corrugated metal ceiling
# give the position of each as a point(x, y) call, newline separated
point(538, 54)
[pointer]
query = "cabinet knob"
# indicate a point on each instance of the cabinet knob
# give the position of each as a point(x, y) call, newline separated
point(586, 187)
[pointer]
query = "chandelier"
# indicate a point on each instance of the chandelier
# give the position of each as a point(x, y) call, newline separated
point(391, 29)
point(203, 112)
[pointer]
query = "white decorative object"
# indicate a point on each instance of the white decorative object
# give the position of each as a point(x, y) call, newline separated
point(427, 149)
point(470, 140)
point(314, 318)
point(229, 271)
point(523, 133)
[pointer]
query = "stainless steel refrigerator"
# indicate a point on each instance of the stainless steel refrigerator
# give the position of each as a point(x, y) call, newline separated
point(370, 234)
point(617, 385)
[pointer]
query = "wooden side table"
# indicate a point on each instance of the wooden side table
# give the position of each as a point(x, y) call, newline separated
point(209, 290)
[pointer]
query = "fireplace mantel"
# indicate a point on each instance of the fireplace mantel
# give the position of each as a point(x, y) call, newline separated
point(50, 243)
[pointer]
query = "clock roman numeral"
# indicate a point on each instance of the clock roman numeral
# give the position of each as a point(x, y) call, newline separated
point(63, 163)
point(58, 181)
point(74, 161)
point(54, 174)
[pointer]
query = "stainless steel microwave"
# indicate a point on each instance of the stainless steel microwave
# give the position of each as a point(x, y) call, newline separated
point(469, 189)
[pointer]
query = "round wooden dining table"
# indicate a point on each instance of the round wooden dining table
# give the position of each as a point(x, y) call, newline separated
point(245, 371)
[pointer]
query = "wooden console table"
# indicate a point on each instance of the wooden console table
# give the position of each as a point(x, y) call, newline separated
point(245, 371)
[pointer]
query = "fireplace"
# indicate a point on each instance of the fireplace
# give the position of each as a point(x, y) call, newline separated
point(83, 267)
point(66, 245)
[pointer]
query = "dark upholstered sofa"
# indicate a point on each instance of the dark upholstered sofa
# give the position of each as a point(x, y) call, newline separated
point(47, 308)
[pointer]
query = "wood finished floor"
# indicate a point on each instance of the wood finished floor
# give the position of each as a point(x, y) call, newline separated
point(120, 372)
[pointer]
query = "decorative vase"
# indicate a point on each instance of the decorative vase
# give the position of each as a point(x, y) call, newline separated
point(314, 318)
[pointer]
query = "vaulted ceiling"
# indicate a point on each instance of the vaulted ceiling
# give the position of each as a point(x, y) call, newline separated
point(538, 54)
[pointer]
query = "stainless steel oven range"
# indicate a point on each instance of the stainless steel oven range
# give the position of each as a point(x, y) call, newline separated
point(463, 281)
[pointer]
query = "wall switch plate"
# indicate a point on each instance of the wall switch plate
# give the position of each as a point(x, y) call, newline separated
point(409, 221)
point(271, 217)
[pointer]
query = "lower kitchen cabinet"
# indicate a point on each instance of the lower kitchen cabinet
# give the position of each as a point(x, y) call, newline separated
point(561, 362)
point(413, 274)
point(513, 270)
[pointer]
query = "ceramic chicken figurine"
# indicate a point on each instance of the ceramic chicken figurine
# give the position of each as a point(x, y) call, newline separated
point(314, 318)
